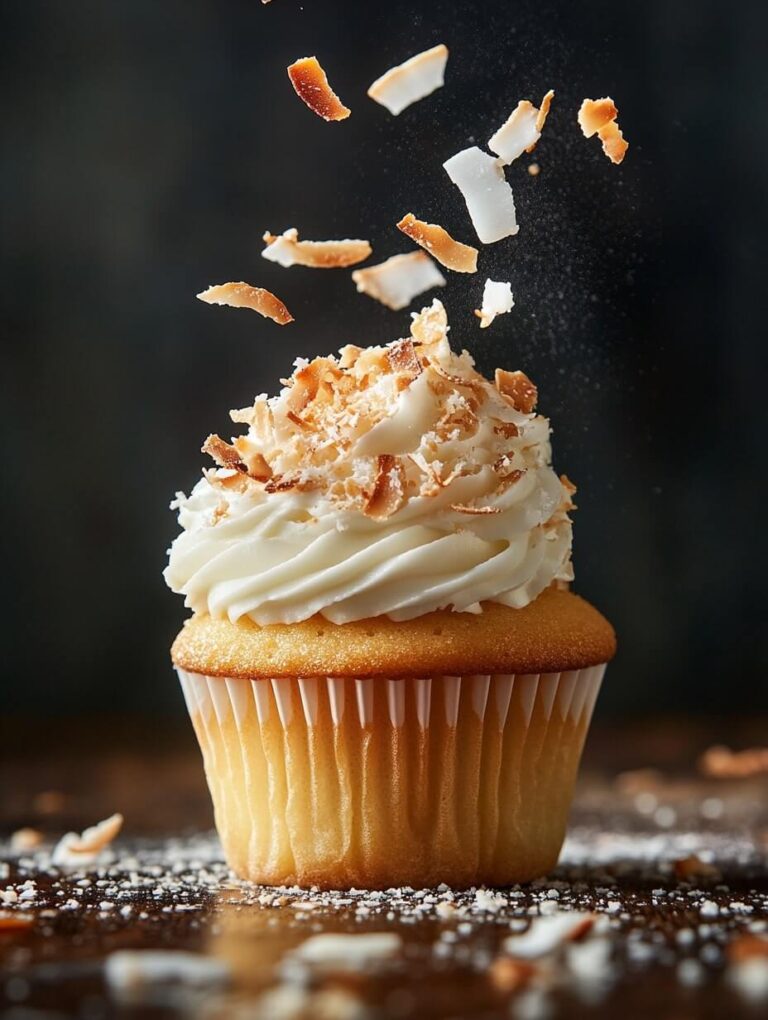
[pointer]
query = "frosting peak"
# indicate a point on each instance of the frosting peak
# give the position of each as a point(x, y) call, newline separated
point(390, 481)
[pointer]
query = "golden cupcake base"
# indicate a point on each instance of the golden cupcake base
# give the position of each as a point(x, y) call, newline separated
point(375, 782)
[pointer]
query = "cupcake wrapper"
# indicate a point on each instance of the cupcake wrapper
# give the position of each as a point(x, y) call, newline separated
point(377, 782)
point(569, 695)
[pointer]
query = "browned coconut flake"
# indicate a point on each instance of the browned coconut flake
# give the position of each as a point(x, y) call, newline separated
point(388, 493)
point(461, 258)
point(543, 111)
point(402, 357)
point(461, 508)
point(310, 83)
point(222, 452)
point(596, 113)
point(243, 295)
point(518, 389)
point(287, 250)
point(615, 144)
point(598, 117)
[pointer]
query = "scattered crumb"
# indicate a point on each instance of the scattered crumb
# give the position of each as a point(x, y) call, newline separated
point(25, 839)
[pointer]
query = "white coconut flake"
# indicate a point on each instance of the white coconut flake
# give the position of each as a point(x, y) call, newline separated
point(132, 973)
point(410, 81)
point(517, 133)
point(546, 934)
point(497, 300)
point(348, 952)
point(396, 282)
point(75, 850)
point(490, 202)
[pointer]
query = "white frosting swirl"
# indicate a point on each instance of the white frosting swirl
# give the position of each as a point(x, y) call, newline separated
point(282, 556)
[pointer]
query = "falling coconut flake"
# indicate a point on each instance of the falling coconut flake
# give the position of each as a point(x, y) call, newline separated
point(521, 131)
point(488, 196)
point(311, 86)
point(598, 117)
point(497, 300)
point(461, 258)
point(243, 295)
point(287, 250)
point(396, 282)
point(410, 81)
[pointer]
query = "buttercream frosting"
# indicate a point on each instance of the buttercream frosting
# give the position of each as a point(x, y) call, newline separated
point(389, 481)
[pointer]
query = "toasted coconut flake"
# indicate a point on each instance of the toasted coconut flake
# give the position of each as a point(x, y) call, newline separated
point(461, 508)
point(461, 258)
point(254, 462)
point(430, 325)
point(548, 933)
point(410, 81)
point(388, 493)
point(488, 196)
point(508, 429)
point(283, 484)
point(403, 358)
point(299, 422)
point(497, 300)
point(311, 86)
point(508, 975)
point(12, 920)
point(521, 130)
point(232, 481)
point(518, 389)
point(25, 839)
point(747, 947)
point(722, 763)
point(243, 295)
point(396, 282)
point(615, 144)
point(544, 110)
point(85, 848)
point(692, 866)
point(598, 117)
point(596, 113)
point(223, 453)
point(287, 250)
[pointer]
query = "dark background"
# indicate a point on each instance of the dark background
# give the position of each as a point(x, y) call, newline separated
point(146, 147)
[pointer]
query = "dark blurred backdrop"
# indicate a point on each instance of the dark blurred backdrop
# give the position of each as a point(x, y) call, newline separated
point(146, 147)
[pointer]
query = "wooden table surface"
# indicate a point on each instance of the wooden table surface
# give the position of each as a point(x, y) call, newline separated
point(661, 946)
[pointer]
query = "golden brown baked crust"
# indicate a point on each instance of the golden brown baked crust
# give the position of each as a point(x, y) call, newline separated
point(558, 631)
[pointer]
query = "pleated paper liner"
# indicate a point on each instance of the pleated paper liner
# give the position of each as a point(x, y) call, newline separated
point(376, 783)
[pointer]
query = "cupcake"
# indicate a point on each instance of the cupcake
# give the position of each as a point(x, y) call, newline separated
point(388, 676)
